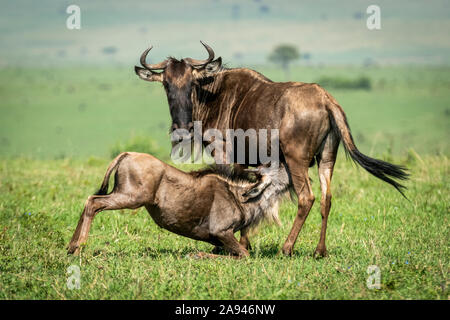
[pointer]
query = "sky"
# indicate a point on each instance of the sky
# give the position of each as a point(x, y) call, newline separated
point(242, 32)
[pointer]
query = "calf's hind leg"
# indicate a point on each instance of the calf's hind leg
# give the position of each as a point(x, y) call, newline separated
point(94, 205)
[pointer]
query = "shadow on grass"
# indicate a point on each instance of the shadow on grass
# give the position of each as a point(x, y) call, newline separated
point(266, 251)
point(162, 252)
point(274, 251)
point(153, 253)
point(271, 251)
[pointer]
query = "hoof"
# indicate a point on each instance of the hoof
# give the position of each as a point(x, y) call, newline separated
point(318, 253)
point(73, 249)
point(247, 246)
point(287, 251)
point(218, 250)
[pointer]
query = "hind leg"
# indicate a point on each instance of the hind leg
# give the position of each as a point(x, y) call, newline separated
point(94, 205)
point(302, 187)
point(326, 161)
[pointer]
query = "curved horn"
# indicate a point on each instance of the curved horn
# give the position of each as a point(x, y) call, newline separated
point(150, 67)
point(198, 63)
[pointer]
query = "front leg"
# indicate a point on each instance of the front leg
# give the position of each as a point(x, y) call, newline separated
point(244, 240)
point(231, 244)
point(217, 250)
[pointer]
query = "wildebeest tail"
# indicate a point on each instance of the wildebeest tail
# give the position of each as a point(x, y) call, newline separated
point(381, 169)
point(104, 188)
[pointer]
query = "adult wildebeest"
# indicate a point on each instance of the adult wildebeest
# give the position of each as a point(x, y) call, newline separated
point(203, 205)
point(310, 121)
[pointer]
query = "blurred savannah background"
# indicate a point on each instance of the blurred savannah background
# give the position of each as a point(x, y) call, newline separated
point(73, 93)
point(70, 101)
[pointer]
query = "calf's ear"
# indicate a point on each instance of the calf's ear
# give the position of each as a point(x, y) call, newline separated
point(148, 75)
point(255, 190)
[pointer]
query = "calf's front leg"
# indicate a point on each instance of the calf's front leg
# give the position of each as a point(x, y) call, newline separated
point(231, 245)
point(244, 241)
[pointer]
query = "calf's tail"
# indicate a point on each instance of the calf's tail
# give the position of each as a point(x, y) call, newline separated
point(113, 165)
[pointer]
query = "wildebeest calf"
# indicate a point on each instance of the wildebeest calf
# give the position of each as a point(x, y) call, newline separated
point(202, 205)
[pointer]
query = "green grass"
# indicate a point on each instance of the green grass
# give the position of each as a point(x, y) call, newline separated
point(128, 257)
point(58, 127)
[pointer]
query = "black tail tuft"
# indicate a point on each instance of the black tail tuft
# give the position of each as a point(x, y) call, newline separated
point(382, 169)
point(102, 191)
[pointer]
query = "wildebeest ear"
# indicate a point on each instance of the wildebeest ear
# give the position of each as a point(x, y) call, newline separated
point(148, 75)
point(214, 65)
point(255, 190)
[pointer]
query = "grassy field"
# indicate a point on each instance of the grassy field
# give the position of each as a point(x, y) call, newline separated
point(58, 128)
point(129, 257)
point(81, 112)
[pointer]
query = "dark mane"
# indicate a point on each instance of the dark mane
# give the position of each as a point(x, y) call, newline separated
point(173, 58)
point(256, 74)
